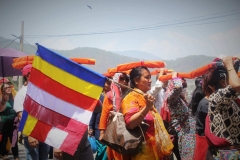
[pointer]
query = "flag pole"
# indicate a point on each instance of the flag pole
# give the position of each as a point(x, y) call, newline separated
point(125, 86)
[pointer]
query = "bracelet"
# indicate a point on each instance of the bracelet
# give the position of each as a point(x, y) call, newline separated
point(142, 115)
point(231, 69)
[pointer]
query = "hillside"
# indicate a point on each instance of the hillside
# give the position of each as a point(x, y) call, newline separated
point(138, 54)
point(105, 59)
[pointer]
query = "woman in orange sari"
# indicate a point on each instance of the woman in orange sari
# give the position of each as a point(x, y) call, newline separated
point(136, 107)
point(112, 101)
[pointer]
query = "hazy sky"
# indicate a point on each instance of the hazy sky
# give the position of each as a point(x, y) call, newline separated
point(166, 28)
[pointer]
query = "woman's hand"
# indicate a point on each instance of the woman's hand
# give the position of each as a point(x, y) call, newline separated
point(228, 62)
point(90, 132)
point(32, 142)
point(149, 101)
point(57, 153)
point(101, 134)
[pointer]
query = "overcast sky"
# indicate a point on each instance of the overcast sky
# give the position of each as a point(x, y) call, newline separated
point(166, 28)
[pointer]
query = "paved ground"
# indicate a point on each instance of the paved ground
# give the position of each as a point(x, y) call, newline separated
point(22, 155)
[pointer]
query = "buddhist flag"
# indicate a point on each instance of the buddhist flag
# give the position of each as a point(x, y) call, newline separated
point(61, 96)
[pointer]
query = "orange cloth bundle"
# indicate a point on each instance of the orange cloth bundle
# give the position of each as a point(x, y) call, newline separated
point(149, 64)
point(195, 73)
point(112, 70)
point(156, 71)
point(84, 61)
point(108, 74)
point(19, 63)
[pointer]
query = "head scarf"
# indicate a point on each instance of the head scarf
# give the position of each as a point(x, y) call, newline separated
point(4, 80)
point(115, 94)
point(26, 69)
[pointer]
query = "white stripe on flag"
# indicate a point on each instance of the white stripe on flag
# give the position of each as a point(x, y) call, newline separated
point(58, 105)
point(55, 137)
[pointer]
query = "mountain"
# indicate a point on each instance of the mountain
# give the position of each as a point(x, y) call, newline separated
point(138, 54)
point(105, 59)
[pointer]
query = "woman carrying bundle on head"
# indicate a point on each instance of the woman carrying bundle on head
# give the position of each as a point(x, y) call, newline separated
point(222, 126)
point(210, 79)
point(137, 107)
point(181, 122)
point(112, 102)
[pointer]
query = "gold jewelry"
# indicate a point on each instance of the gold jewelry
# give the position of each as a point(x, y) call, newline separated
point(231, 69)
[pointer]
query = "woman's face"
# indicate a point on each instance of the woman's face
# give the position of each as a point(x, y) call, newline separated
point(107, 85)
point(144, 82)
point(123, 79)
point(7, 89)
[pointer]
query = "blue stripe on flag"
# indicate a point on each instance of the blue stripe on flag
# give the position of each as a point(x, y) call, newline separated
point(69, 66)
point(23, 120)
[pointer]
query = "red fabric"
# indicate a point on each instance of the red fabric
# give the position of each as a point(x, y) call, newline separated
point(128, 116)
point(200, 148)
point(73, 140)
point(40, 131)
point(212, 139)
point(165, 113)
point(115, 95)
point(51, 117)
point(62, 92)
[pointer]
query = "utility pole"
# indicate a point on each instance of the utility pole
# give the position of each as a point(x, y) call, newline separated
point(20, 79)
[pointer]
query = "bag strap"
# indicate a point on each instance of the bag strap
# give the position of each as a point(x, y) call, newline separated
point(142, 133)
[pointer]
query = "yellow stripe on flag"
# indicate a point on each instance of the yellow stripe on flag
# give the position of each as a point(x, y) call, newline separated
point(29, 125)
point(67, 79)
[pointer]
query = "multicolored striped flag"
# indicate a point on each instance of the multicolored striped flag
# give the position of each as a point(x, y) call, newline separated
point(61, 97)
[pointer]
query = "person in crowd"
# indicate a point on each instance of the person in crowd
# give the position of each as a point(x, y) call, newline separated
point(137, 106)
point(222, 121)
point(7, 116)
point(197, 95)
point(210, 80)
point(94, 123)
point(181, 122)
point(13, 137)
point(35, 150)
point(159, 90)
point(112, 101)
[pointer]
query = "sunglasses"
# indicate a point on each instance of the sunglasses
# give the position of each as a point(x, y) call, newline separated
point(124, 78)
point(7, 87)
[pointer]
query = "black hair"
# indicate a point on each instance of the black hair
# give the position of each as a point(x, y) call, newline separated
point(136, 73)
point(213, 78)
point(197, 95)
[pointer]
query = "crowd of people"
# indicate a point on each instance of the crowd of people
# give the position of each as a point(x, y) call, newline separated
point(205, 127)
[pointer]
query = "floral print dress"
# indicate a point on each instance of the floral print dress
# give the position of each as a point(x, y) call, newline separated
point(181, 119)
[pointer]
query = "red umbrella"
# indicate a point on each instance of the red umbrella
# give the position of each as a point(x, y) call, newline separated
point(6, 59)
